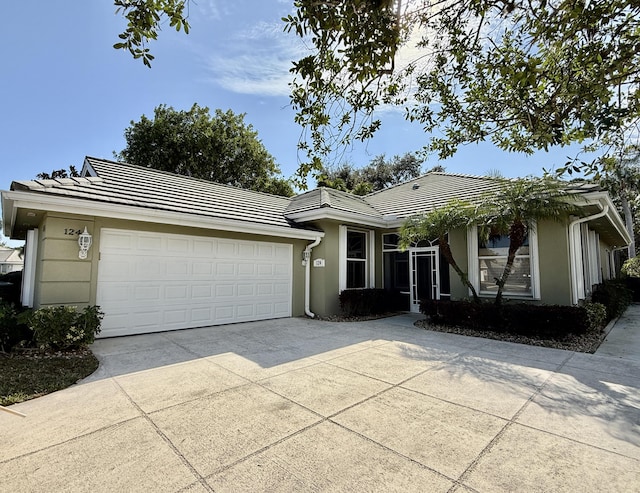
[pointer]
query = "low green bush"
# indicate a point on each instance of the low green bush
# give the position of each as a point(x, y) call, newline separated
point(365, 302)
point(614, 295)
point(544, 321)
point(64, 327)
point(596, 314)
point(631, 267)
point(13, 327)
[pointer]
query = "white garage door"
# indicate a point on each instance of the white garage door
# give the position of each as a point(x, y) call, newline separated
point(150, 282)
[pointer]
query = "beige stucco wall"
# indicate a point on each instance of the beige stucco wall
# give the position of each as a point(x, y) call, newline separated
point(325, 281)
point(458, 243)
point(62, 278)
point(553, 258)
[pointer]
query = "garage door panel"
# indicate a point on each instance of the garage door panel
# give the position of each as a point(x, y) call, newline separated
point(149, 242)
point(246, 269)
point(202, 292)
point(180, 246)
point(225, 269)
point(225, 291)
point(224, 314)
point(244, 311)
point(204, 248)
point(154, 282)
point(179, 268)
point(245, 289)
point(177, 293)
point(203, 269)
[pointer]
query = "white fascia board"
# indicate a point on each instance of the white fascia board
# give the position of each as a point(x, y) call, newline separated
point(614, 217)
point(337, 215)
point(54, 203)
point(8, 213)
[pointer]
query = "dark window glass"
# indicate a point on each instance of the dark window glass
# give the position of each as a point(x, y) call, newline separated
point(356, 275)
point(356, 245)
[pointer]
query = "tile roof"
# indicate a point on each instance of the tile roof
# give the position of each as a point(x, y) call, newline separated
point(125, 184)
point(146, 188)
point(427, 192)
point(328, 198)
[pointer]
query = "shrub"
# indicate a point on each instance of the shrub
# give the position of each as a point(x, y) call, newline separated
point(596, 314)
point(364, 302)
point(12, 326)
point(631, 267)
point(614, 295)
point(64, 327)
point(546, 321)
point(10, 287)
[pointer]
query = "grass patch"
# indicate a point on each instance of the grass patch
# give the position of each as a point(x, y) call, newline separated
point(27, 375)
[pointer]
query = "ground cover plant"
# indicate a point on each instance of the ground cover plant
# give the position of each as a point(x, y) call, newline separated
point(27, 375)
point(44, 350)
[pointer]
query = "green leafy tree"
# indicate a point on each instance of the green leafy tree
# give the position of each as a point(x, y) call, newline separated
point(144, 19)
point(220, 148)
point(523, 75)
point(59, 173)
point(515, 208)
point(379, 174)
point(437, 224)
point(621, 177)
point(631, 267)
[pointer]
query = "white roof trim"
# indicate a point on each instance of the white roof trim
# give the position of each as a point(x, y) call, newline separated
point(337, 215)
point(612, 215)
point(39, 201)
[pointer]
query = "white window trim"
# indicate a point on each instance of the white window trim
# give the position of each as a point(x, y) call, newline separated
point(342, 254)
point(474, 264)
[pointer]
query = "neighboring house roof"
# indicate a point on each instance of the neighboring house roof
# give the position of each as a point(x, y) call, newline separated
point(10, 256)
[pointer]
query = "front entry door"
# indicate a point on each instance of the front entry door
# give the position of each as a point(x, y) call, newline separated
point(425, 275)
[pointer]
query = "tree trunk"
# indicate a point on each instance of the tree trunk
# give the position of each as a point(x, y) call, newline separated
point(517, 235)
point(446, 252)
point(628, 221)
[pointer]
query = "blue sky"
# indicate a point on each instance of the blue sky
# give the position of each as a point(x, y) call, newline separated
point(67, 93)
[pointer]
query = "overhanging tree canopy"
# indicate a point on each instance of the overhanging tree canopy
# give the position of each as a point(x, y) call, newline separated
point(524, 75)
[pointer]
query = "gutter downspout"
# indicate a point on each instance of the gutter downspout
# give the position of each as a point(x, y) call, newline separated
point(306, 261)
point(572, 249)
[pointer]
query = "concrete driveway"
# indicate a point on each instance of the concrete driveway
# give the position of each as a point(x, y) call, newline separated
point(302, 405)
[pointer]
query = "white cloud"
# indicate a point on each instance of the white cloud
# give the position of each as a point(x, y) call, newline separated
point(256, 61)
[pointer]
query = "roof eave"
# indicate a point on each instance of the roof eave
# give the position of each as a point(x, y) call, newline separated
point(614, 217)
point(41, 201)
point(327, 213)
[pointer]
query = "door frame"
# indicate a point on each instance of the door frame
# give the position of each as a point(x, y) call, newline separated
point(414, 253)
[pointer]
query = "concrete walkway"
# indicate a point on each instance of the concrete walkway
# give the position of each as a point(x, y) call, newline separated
point(298, 405)
point(624, 339)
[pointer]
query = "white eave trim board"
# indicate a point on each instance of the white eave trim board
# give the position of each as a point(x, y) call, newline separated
point(337, 215)
point(27, 200)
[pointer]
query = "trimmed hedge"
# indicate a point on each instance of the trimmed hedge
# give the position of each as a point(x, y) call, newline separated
point(545, 321)
point(365, 302)
point(614, 295)
point(633, 284)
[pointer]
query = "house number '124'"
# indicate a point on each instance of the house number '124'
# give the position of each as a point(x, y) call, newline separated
point(71, 231)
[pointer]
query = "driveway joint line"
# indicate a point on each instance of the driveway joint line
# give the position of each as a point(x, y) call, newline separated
point(168, 441)
point(70, 440)
point(510, 422)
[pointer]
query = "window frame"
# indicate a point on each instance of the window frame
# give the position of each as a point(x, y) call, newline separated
point(474, 265)
point(369, 260)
